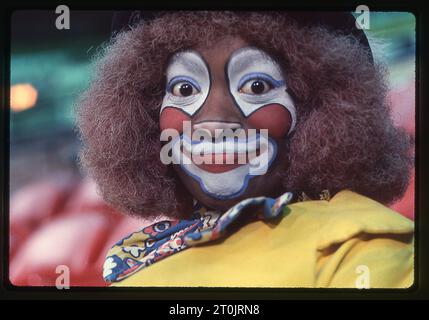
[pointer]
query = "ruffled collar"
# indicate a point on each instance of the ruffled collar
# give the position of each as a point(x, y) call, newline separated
point(162, 239)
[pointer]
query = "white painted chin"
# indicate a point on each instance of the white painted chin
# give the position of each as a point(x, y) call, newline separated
point(229, 184)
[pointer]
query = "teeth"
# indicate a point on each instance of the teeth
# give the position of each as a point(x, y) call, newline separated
point(227, 146)
point(222, 147)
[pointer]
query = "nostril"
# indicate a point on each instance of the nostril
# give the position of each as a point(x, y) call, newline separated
point(235, 126)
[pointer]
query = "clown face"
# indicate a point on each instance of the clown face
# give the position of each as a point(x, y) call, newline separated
point(235, 96)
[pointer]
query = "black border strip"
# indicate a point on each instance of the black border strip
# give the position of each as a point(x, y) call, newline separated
point(420, 290)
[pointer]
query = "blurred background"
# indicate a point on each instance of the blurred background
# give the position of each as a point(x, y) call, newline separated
point(56, 215)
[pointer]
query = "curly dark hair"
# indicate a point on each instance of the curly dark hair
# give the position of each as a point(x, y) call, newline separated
point(344, 139)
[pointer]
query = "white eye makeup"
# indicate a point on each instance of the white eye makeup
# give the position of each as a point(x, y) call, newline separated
point(256, 80)
point(188, 82)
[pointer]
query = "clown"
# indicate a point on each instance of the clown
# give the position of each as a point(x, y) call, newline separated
point(254, 111)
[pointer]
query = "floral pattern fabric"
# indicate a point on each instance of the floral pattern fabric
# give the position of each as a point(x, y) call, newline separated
point(162, 239)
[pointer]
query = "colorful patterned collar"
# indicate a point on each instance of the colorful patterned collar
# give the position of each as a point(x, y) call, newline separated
point(162, 239)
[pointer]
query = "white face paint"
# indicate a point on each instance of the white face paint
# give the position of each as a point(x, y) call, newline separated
point(248, 65)
point(187, 70)
point(229, 184)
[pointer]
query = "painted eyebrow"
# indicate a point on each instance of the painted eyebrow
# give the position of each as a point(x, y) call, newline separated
point(189, 60)
point(237, 63)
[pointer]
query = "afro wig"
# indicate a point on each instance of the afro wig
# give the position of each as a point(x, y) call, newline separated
point(344, 139)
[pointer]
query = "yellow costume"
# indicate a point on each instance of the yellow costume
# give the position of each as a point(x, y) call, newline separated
point(350, 241)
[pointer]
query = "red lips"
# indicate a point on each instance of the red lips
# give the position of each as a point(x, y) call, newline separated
point(220, 162)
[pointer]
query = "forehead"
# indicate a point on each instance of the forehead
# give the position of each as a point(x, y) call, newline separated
point(232, 50)
point(222, 49)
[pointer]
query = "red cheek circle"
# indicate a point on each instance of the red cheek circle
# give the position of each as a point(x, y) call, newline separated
point(172, 118)
point(274, 117)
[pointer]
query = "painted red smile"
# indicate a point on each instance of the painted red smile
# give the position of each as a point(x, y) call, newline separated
point(221, 162)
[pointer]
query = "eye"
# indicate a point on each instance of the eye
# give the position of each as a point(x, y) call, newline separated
point(256, 86)
point(184, 89)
